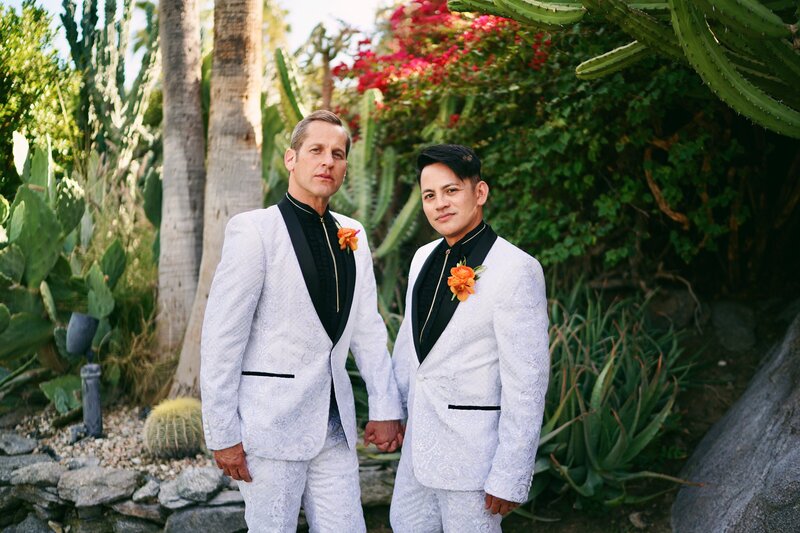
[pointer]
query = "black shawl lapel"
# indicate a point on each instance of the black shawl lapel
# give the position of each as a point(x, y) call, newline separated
point(350, 288)
point(303, 253)
point(448, 307)
point(415, 325)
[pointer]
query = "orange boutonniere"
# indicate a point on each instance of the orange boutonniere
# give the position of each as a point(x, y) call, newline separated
point(462, 280)
point(347, 239)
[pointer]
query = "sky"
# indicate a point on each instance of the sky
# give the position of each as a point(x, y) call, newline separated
point(303, 16)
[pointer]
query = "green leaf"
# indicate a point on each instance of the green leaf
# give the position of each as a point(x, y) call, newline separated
point(12, 263)
point(40, 169)
point(101, 335)
point(47, 298)
point(113, 262)
point(101, 301)
point(4, 209)
point(24, 335)
point(70, 204)
point(152, 198)
point(5, 317)
point(37, 231)
point(64, 392)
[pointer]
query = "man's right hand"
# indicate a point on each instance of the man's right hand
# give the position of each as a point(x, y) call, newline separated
point(232, 462)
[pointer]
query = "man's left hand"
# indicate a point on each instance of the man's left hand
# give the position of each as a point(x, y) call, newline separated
point(387, 435)
point(499, 505)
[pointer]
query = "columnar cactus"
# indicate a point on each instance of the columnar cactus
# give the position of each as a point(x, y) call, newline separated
point(174, 428)
point(744, 50)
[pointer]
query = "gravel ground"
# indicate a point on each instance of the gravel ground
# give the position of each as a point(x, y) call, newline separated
point(121, 447)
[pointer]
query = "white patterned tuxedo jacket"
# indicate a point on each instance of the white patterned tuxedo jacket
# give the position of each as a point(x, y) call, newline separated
point(475, 403)
point(267, 361)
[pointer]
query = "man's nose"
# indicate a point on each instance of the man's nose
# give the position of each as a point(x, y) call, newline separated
point(328, 159)
point(442, 202)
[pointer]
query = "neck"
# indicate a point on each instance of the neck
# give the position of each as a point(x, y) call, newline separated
point(317, 203)
point(452, 239)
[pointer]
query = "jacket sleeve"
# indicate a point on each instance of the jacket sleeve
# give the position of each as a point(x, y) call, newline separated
point(404, 345)
point(368, 345)
point(521, 329)
point(232, 301)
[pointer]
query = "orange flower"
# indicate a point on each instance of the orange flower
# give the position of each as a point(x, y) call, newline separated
point(347, 239)
point(461, 282)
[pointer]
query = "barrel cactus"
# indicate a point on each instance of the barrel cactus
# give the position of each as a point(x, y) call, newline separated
point(174, 429)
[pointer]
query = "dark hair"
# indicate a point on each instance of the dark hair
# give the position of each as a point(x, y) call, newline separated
point(300, 131)
point(462, 160)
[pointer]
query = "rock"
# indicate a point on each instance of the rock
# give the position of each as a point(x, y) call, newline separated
point(126, 524)
point(9, 463)
point(735, 325)
point(152, 512)
point(38, 474)
point(671, 308)
point(74, 463)
point(146, 492)
point(749, 461)
point(95, 485)
point(376, 486)
point(13, 444)
point(226, 497)
point(47, 513)
point(199, 484)
point(169, 498)
point(47, 496)
point(30, 525)
point(7, 501)
point(224, 519)
point(88, 520)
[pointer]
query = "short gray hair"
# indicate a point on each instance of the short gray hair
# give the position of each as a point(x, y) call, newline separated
point(301, 130)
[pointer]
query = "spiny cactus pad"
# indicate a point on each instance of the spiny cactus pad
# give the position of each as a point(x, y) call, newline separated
point(175, 429)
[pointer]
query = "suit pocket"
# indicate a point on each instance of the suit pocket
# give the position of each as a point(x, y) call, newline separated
point(267, 374)
point(474, 407)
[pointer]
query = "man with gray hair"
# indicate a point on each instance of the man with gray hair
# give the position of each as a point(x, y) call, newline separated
point(293, 293)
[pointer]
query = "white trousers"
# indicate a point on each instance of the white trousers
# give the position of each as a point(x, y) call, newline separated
point(420, 509)
point(326, 486)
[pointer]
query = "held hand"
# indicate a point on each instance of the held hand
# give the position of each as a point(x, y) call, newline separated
point(387, 435)
point(499, 505)
point(232, 462)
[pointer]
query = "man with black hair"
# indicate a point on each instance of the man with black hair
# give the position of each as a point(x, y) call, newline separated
point(471, 361)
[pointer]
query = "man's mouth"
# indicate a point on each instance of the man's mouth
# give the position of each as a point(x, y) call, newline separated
point(446, 216)
point(324, 177)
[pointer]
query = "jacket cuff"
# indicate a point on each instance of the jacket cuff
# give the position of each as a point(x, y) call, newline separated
point(513, 488)
point(221, 439)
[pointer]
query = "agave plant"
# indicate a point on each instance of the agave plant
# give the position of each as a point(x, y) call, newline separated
point(612, 386)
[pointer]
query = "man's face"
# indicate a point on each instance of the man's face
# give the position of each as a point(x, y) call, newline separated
point(453, 207)
point(317, 168)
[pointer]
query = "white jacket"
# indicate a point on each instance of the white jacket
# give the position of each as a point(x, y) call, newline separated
point(260, 320)
point(475, 404)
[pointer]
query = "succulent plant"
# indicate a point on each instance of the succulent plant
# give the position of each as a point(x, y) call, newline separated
point(174, 428)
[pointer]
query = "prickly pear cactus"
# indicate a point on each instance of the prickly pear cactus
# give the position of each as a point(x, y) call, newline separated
point(175, 429)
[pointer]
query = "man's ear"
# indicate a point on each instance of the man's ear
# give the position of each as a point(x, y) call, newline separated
point(482, 190)
point(289, 159)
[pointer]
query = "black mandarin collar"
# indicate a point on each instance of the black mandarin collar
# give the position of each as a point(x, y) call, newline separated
point(465, 244)
point(305, 211)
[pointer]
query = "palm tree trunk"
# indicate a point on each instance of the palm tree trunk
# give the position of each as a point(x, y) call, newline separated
point(183, 174)
point(234, 182)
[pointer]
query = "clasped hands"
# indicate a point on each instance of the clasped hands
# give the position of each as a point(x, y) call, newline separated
point(386, 435)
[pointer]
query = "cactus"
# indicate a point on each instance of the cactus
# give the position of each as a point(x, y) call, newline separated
point(5, 317)
point(742, 49)
point(38, 288)
point(175, 429)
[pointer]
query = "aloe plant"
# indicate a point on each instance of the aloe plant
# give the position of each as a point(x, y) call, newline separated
point(744, 50)
point(612, 387)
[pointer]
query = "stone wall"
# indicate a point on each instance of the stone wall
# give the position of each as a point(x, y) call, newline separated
point(39, 494)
